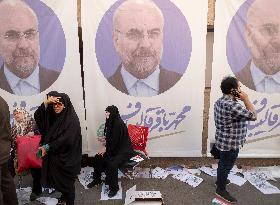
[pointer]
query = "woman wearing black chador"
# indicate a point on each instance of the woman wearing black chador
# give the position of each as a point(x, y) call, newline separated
point(118, 149)
point(61, 144)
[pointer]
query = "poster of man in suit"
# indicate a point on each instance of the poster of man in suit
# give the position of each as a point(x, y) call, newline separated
point(253, 45)
point(140, 30)
point(21, 53)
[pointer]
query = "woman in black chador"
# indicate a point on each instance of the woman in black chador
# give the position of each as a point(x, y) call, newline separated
point(61, 144)
point(118, 149)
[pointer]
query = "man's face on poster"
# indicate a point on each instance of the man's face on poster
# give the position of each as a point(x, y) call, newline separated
point(138, 38)
point(19, 41)
point(263, 35)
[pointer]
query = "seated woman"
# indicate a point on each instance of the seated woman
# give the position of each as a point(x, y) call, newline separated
point(61, 144)
point(117, 151)
point(24, 125)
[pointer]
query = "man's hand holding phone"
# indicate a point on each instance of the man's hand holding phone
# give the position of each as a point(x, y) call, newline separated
point(243, 96)
point(235, 93)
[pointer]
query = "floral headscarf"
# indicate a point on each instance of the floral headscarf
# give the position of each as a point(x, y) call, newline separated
point(26, 125)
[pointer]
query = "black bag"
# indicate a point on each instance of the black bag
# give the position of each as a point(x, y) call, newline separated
point(215, 152)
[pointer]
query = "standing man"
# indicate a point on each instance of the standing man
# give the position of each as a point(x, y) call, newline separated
point(20, 50)
point(231, 129)
point(8, 194)
point(262, 35)
point(138, 39)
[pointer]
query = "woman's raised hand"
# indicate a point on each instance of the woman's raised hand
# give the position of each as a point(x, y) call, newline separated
point(51, 100)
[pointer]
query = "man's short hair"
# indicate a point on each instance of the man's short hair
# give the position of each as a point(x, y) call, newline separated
point(228, 83)
point(14, 3)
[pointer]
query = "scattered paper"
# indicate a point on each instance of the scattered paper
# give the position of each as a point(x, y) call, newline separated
point(48, 190)
point(258, 180)
point(188, 178)
point(209, 171)
point(235, 179)
point(48, 200)
point(105, 192)
point(193, 171)
point(159, 173)
point(142, 173)
point(273, 170)
point(260, 174)
point(193, 180)
point(23, 195)
point(85, 176)
point(235, 170)
point(265, 187)
point(174, 169)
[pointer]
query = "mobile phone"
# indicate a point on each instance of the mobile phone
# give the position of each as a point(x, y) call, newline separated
point(235, 93)
point(39, 153)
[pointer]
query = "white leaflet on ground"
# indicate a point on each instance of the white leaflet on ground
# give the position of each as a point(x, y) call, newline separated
point(274, 171)
point(120, 174)
point(142, 173)
point(49, 190)
point(23, 195)
point(85, 176)
point(235, 179)
point(105, 192)
point(193, 171)
point(47, 200)
point(174, 169)
point(260, 174)
point(259, 180)
point(188, 178)
point(159, 173)
point(209, 171)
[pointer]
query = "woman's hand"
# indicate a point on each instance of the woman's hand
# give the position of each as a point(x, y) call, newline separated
point(102, 151)
point(30, 134)
point(102, 140)
point(51, 100)
point(43, 151)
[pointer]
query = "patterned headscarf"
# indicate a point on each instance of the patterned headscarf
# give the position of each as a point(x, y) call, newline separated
point(20, 127)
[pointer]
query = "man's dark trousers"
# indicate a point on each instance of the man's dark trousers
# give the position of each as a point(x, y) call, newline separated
point(226, 162)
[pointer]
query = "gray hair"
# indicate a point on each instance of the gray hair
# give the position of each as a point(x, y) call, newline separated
point(21, 3)
point(148, 3)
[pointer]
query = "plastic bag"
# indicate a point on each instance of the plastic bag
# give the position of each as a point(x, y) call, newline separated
point(27, 147)
point(138, 136)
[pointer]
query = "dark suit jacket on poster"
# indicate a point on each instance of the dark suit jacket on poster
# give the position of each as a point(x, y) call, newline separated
point(167, 79)
point(46, 77)
point(245, 76)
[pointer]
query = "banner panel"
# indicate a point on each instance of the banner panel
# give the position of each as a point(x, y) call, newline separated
point(148, 59)
point(39, 53)
point(246, 45)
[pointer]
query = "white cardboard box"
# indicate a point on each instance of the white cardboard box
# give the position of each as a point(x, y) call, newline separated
point(142, 197)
